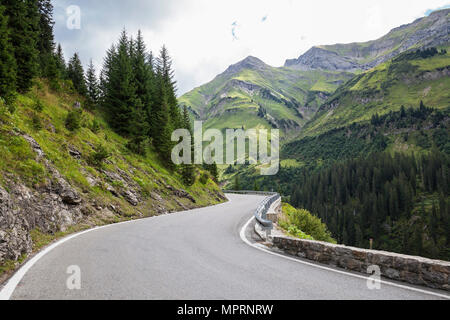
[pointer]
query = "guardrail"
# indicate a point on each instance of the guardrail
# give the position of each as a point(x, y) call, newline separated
point(261, 211)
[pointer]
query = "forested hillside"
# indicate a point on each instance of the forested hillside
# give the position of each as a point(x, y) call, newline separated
point(418, 75)
point(399, 201)
point(78, 150)
point(373, 163)
point(410, 130)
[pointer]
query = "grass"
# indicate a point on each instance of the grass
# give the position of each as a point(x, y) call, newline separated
point(383, 89)
point(291, 163)
point(9, 266)
point(18, 162)
point(223, 104)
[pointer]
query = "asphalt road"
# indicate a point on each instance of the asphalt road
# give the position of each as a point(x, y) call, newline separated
point(196, 254)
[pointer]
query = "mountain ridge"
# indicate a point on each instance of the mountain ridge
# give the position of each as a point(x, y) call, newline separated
point(359, 56)
point(267, 96)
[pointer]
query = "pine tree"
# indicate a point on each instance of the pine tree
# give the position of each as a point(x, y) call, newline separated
point(75, 73)
point(105, 74)
point(188, 169)
point(214, 172)
point(160, 117)
point(7, 61)
point(92, 84)
point(45, 43)
point(169, 84)
point(60, 63)
point(237, 186)
point(120, 97)
point(23, 23)
point(143, 73)
point(138, 130)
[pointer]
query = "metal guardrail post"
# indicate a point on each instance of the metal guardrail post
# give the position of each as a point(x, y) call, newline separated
point(261, 211)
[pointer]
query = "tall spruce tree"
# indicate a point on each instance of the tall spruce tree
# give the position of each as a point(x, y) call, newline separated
point(60, 63)
point(105, 73)
point(7, 61)
point(120, 92)
point(169, 84)
point(92, 84)
point(138, 129)
point(75, 72)
point(143, 75)
point(45, 43)
point(23, 23)
point(188, 169)
point(162, 128)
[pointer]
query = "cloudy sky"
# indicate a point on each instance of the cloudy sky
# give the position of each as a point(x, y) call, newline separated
point(205, 36)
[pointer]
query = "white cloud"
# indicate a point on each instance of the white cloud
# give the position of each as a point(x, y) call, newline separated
point(198, 32)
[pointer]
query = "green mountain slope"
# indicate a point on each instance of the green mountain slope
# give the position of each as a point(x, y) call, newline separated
point(253, 94)
point(365, 115)
point(406, 80)
point(424, 32)
point(55, 181)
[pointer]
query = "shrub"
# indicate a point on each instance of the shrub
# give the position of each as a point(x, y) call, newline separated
point(55, 85)
point(38, 106)
point(3, 111)
point(100, 155)
point(136, 146)
point(301, 223)
point(95, 126)
point(204, 178)
point(73, 120)
point(36, 122)
point(296, 232)
point(8, 102)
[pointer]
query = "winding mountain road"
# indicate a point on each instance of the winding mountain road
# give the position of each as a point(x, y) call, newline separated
point(197, 254)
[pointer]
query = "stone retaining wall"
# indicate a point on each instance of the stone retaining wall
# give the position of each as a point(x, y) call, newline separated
point(414, 270)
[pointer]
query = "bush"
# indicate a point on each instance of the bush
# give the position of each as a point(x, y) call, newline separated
point(36, 122)
point(301, 223)
point(4, 116)
point(54, 85)
point(137, 147)
point(100, 155)
point(296, 232)
point(204, 178)
point(8, 103)
point(73, 120)
point(95, 126)
point(38, 106)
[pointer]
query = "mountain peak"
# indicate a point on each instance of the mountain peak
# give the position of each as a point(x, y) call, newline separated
point(250, 62)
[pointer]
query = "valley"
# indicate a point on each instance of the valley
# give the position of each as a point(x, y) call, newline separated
point(341, 103)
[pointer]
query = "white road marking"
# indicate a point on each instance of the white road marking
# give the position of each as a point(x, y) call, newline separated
point(263, 248)
point(8, 289)
point(10, 286)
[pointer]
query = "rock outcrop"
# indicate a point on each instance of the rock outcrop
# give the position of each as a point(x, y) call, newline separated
point(318, 58)
point(53, 205)
point(51, 208)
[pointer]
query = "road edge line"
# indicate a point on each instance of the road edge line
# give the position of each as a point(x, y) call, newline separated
point(246, 241)
point(7, 290)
